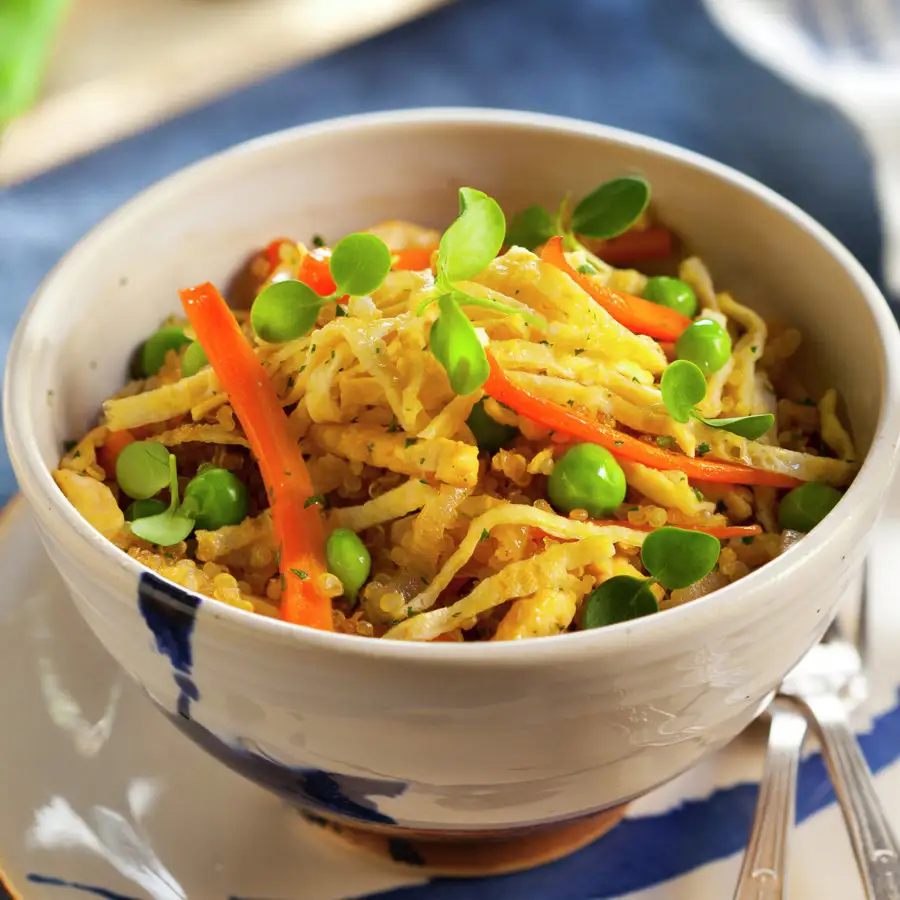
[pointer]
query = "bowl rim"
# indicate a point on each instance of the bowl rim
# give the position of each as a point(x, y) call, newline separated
point(59, 517)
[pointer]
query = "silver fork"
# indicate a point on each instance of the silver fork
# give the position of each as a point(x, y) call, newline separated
point(827, 683)
point(826, 699)
point(764, 870)
point(846, 52)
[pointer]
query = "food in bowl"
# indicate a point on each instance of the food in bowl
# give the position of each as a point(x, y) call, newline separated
point(485, 434)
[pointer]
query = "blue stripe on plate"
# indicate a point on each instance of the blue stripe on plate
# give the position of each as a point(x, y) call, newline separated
point(642, 852)
point(77, 886)
point(638, 853)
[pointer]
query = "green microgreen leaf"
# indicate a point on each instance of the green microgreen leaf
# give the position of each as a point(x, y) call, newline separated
point(750, 427)
point(682, 386)
point(455, 345)
point(473, 240)
point(169, 527)
point(142, 469)
point(359, 264)
point(612, 208)
point(619, 599)
point(677, 558)
point(464, 299)
point(285, 311)
point(530, 228)
point(26, 41)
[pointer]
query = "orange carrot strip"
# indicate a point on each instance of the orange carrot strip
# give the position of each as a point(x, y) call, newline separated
point(272, 252)
point(415, 259)
point(316, 272)
point(567, 421)
point(637, 246)
point(636, 314)
point(298, 526)
point(116, 442)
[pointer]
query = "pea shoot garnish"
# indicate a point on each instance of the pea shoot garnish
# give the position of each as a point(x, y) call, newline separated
point(472, 241)
point(141, 509)
point(612, 208)
point(467, 247)
point(142, 469)
point(677, 558)
point(169, 527)
point(805, 506)
point(606, 212)
point(359, 264)
point(674, 557)
point(456, 346)
point(213, 498)
point(683, 385)
point(286, 310)
point(619, 599)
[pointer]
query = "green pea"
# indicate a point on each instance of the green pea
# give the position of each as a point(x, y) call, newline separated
point(141, 509)
point(214, 498)
point(194, 360)
point(153, 353)
point(805, 506)
point(587, 477)
point(706, 344)
point(672, 292)
point(489, 434)
point(349, 559)
point(142, 469)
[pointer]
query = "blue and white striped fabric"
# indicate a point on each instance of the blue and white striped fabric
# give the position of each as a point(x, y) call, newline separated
point(131, 811)
point(685, 841)
point(655, 66)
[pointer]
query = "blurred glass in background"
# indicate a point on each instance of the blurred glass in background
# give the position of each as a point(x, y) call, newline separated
point(846, 52)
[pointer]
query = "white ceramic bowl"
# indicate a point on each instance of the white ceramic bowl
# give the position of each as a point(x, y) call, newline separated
point(446, 737)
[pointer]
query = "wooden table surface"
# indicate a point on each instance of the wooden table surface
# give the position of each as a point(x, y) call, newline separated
point(120, 66)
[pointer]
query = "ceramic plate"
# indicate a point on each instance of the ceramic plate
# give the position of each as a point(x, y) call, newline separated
point(102, 798)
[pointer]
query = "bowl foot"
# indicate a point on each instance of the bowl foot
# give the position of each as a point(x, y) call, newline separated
point(477, 856)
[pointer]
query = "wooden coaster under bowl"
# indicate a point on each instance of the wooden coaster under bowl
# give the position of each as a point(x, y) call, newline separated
point(475, 857)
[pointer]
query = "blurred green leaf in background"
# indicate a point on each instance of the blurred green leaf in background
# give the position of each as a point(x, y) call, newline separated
point(27, 28)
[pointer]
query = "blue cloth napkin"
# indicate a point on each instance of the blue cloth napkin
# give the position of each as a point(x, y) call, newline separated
point(655, 66)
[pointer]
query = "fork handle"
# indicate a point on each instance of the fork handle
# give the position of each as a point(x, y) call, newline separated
point(764, 871)
point(876, 848)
